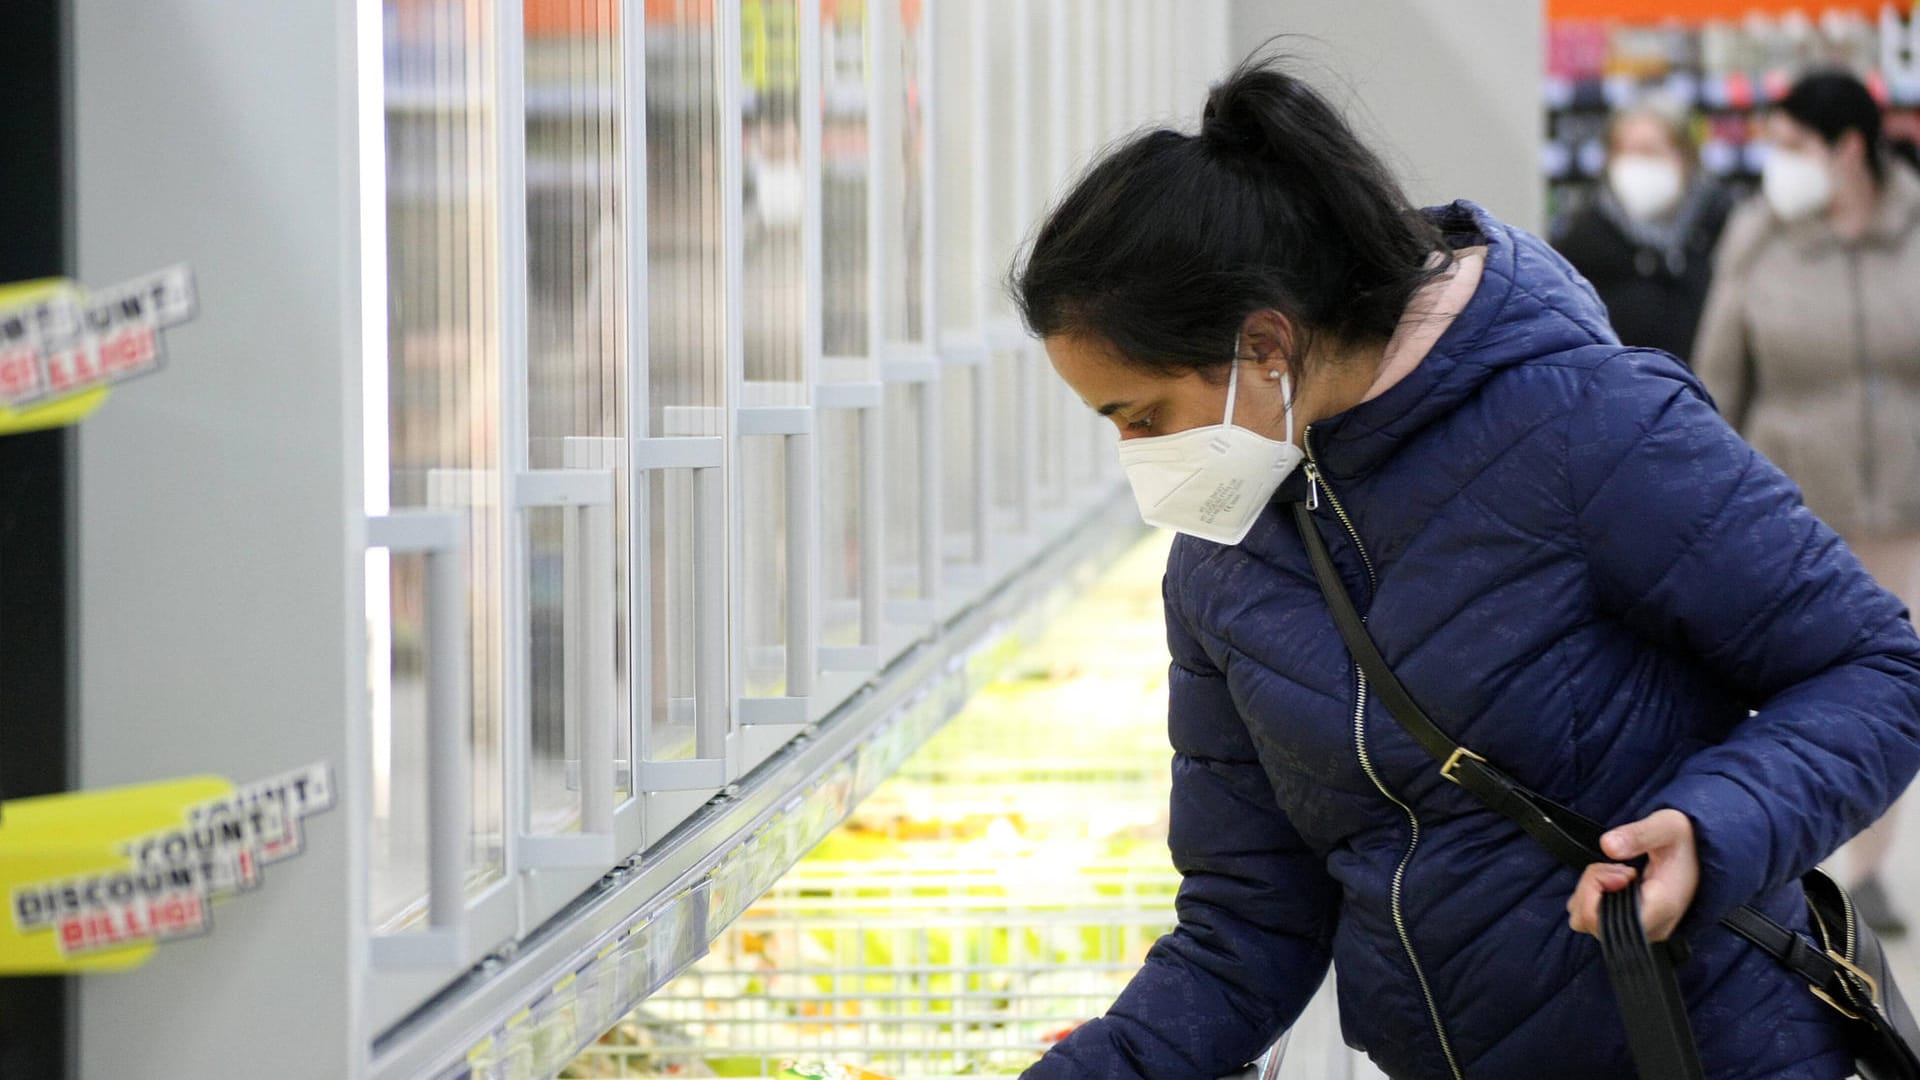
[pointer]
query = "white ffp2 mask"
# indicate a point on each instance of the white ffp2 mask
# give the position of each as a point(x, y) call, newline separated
point(1796, 185)
point(1210, 482)
point(1647, 187)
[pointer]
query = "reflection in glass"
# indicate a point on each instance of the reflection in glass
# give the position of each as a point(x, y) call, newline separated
point(441, 440)
point(914, 147)
point(845, 300)
point(686, 328)
point(1043, 129)
point(686, 272)
point(774, 191)
point(905, 312)
point(957, 190)
point(576, 374)
point(1000, 122)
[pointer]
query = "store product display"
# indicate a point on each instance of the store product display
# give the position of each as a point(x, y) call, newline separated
point(1726, 72)
point(815, 1071)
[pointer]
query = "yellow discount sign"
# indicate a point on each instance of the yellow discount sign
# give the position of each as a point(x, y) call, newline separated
point(95, 880)
point(61, 346)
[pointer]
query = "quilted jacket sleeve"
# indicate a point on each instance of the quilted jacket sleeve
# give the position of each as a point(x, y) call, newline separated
point(1698, 542)
point(1256, 910)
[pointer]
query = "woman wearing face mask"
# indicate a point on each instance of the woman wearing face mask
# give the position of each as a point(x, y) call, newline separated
point(1811, 345)
point(1645, 241)
point(1577, 569)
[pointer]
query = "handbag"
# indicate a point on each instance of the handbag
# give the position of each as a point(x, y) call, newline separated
point(1845, 968)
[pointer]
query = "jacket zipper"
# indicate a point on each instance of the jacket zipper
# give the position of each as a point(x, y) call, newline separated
point(1846, 905)
point(1869, 378)
point(1317, 492)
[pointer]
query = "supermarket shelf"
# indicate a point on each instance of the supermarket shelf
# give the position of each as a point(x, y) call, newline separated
point(526, 1012)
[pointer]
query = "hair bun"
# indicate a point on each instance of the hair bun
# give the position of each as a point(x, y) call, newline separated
point(1227, 125)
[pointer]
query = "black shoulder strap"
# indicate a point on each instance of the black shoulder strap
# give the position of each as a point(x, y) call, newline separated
point(1571, 838)
point(1568, 835)
point(1641, 971)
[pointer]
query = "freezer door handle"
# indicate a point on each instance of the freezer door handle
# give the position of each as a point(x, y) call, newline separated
point(705, 458)
point(864, 400)
point(982, 494)
point(968, 357)
point(917, 367)
point(588, 713)
point(795, 426)
point(803, 567)
point(1027, 394)
point(439, 535)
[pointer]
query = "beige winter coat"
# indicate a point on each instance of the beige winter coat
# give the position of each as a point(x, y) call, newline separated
point(1811, 346)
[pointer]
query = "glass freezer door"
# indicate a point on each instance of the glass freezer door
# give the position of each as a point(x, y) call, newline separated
point(848, 392)
point(573, 479)
point(775, 485)
point(910, 362)
point(683, 704)
point(434, 472)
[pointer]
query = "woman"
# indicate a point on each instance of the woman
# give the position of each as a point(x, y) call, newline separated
point(1811, 345)
point(1577, 568)
point(1645, 241)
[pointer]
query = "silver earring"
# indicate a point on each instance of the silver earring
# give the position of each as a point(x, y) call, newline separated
point(1273, 374)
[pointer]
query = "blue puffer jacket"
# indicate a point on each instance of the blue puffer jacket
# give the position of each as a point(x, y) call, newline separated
point(1583, 574)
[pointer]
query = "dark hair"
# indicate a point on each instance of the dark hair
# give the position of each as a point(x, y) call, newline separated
point(1167, 244)
point(1906, 150)
point(1834, 103)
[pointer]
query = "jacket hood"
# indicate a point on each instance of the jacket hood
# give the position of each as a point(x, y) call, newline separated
point(1505, 323)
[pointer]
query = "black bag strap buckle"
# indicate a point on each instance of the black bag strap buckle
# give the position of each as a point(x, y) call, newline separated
point(1861, 990)
point(1451, 766)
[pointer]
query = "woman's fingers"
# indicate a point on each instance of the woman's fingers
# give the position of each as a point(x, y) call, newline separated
point(1583, 907)
point(1665, 838)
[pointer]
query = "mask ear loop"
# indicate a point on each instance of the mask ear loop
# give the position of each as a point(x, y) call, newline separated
point(1286, 397)
point(1233, 386)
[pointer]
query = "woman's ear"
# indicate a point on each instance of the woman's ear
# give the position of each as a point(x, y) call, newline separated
point(1267, 336)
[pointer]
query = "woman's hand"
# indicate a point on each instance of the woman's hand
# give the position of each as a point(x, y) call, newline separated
point(1665, 837)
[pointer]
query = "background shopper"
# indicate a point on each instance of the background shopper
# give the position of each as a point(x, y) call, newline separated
point(1645, 240)
point(1811, 345)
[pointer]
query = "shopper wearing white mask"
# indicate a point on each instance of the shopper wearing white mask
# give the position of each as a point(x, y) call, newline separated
point(1562, 553)
point(1645, 239)
point(1811, 344)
